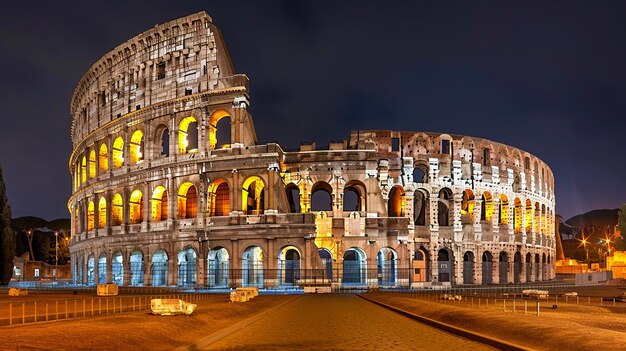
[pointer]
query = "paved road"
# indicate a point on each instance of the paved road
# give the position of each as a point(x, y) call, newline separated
point(339, 322)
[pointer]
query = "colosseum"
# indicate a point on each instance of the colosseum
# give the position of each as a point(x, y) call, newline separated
point(171, 188)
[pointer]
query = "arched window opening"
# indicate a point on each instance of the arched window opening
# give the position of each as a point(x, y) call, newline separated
point(419, 207)
point(252, 267)
point(444, 262)
point(421, 265)
point(136, 268)
point(443, 207)
point(117, 269)
point(529, 217)
point(537, 221)
point(517, 216)
point(83, 169)
point(487, 268)
point(504, 267)
point(91, 268)
point(218, 268)
point(117, 210)
point(321, 197)
point(188, 135)
point(544, 220)
point(327, 262)
point(159, 268)
point(467, 207)
point(252, 196)
point(135, 207)
point(102, 269)
point(103, 159)
point(354, 197)
point(517, 267)
point(118, 152)
point(293, 198)
point(219, 201)
point(187, 201)
point(387, 265)
point(486, 211)
point(163, 137)
point(187, 268)
point(136, 147)
point(503, 213)
point(102, 212)
point(468, 268)
point(397, 202)
point(354, 267)
point(90, 216)
point(289, 266)
point(419, 176)
point(159, 204)
point(219, 130)
point(92, 164)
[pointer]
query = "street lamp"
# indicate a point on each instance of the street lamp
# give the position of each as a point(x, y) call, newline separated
point(584, 242)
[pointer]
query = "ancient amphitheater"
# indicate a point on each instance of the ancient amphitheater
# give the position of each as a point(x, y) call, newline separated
point(170, 187)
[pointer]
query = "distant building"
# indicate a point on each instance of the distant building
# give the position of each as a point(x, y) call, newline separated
point(170, 187)
point(617, 264)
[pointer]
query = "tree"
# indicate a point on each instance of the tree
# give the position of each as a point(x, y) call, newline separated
point(620, 243)
point(7, 237)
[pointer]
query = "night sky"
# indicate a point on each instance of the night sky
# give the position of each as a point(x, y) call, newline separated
point(549, 78)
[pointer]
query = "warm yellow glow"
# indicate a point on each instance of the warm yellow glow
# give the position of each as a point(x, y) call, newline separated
point(103, 158)
point(187, 201)
point(90, 216)
point(537, 225)
point(135, 147)
point(323, 234)
point(215, 118)
point(544, 220)
point(183, 131)
point(83, 169)
point(159, 204)
point(135, 207)
point(504, 209)
point(92, 164)
point(488, 206)
point(529, 216)
point(396, 204)
point(118, 152)
point(102, 213)
point(467, 206)
point(117, 210)
point(219, 198)
point(517, 216)
point(252, 196)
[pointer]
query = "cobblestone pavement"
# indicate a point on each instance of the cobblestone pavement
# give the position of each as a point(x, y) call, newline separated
point(340, 322)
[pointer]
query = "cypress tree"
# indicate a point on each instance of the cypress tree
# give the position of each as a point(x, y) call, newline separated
point(7, 237)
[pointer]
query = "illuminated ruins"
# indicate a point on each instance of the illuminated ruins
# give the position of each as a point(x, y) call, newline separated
point(171, 188)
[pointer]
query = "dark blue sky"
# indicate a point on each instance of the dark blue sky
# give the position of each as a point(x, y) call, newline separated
point(547, 77)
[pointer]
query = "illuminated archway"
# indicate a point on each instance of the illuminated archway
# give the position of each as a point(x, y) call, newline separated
point(92, 164)
point(187, 201)
point(387, 265)
point(187, 268)
point(90, 216)
point(517, 216)
point(467, 207)
point(529, 216)
point(83, 169)
point(218, 268)
point(102, 212)
point(117, 210)
point(136, 268)
point(159, 204)
point(159, 268)
point(354, 267)
point(219, 133)
point(327, 262)
point(188, 135)
point(219, 198)
point(103, 159)
point(118, 152)
point(397, 202)
point(136, 147)
point(486, 211)
point(289, 266)
point(252, 196)
point(117, 269)
point(252, 267)
point(135, 207)
point(503, 213)
point(91, 268)
point(102, 269)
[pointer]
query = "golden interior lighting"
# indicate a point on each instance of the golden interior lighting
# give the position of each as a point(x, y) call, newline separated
point(213, 121)
point(504, 209)
point(102, 213)
point(83, 169)
point(159, 204)
point(252, 196)
point(103, 158)
point(135, 207)
point(90, 216)
point(219, 198)
point(187, 201)
point(117, 207)
point(118, 152)
point(135, 146)
point(183, 133)
point(92, 164)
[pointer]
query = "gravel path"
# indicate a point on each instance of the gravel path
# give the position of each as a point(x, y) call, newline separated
point(339, 322)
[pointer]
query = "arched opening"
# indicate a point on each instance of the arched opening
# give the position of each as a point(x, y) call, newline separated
point(528, 266)
point(321, 197)
point(354, 267)
point(387, 267)
point(443, 207)
point(103, 159)
point(187, 201)
point(252, 267)
point(90, 216)
point(537, 266)
point(252, 196)
point(543, 267)
point(419, 176)
point(289, 266)
point(92, 164)
point(327, 262)
point(218, 268)
point(102, 212)
point(486, 211)
point(487, 268)
point(117, 210)
point(517, 216)
point(467, 207)
point(503, 267)
point(544, 222)
point(118, 152)
point(397, 202)
point(159, 204)
point(159, 268)
point(83, 169)
point(468, 268)
point(293, 198)
point(162, 137)
point(503, 213)
point(136, 147)
point(219, 129)
point(517, 267)
point(529, 217)
point(536, 220)
point(91, 267)
point(420, 204)
point(136, 268)
point(135, 207)
point(102, 269)
point(354, 197)
point(188, 135)
point(219, 198)
point(187, 268)
point(444, 262)
point(421, 265)
point(117, 269)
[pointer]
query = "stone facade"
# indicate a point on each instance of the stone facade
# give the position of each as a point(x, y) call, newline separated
point(171, 188)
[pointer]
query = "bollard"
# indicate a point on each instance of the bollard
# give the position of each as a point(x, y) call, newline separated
point(537, 308)
point(504, 304)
